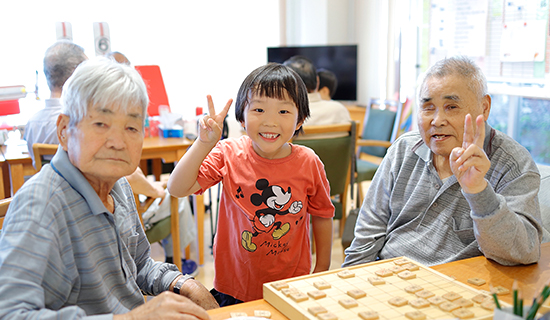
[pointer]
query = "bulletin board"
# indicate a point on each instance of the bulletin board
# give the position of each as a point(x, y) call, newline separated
point(506, 38)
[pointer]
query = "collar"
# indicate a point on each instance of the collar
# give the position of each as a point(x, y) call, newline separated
point(314, 96)
point(51, 103)
point(63, 166)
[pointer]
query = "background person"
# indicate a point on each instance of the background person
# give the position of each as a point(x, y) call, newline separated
point(328, 83)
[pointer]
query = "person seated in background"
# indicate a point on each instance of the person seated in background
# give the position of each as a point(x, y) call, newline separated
point(72, 244)
point(455, 189)
point(60, 61)
point(328, 83)
point(322, 112)
point(118, 57)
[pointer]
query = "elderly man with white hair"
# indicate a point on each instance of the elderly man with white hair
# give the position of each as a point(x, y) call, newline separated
point(72, 245)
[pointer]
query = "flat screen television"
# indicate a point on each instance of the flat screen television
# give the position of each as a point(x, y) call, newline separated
point(342, 60)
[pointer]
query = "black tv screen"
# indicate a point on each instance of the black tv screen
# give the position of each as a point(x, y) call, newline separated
point(342, 60)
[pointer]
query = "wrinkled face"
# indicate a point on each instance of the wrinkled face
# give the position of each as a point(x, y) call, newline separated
point(270, 123)
point(106, 145)
point(444, 103)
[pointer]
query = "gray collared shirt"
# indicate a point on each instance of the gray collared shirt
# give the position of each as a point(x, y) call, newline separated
point(408, 211)
point(64, 256)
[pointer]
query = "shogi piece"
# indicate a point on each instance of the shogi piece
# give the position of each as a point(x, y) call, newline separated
point(480, 298)
point(356, 293)
point(316, 310)
point(348, 303)
point(369, 315)
point(401, 261)
point(500, 290)
point(437, 300)
point(464, 303)
point(488, 304)
point(398, 301)
point(298, 296)
point(238, 314)
point(411, 266)
point(396, 269)
point(413, 288)
point(415, 315)
point(262, 314)
point(424, 294)
point(279, 285)
point(406, 275)
point(327, 316)
point(419, 303)
point(316, 294)
point(321, 285)
point(383, 273)
point(451, 296)
point(375, 281)
point(463, 313)
point(288, 291)
point(476, 281)
point(346, 274)
point(448, 306)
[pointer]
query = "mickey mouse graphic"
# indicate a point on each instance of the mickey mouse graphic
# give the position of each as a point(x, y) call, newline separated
point(275, 198)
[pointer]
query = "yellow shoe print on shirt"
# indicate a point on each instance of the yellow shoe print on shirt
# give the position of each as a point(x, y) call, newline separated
point(278, 233)
point(246, 241)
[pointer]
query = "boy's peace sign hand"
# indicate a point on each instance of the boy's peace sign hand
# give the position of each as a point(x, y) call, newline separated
point(211, 125)
point(470, 163)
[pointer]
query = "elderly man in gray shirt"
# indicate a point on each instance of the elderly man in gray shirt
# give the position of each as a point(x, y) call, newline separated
point(455, 189)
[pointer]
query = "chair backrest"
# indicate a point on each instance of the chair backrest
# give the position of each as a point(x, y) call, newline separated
point(40, 150)
point(544, 201)
point(4, 204)
point(382, 121)
point(336, 154)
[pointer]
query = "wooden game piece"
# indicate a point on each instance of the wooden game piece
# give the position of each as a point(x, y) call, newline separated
point(396, 269)
point(419, 303)
point(476, 281)
point(368, 315)
point(398, 301)
point(238, 314)
point(411, 266)
point(298, 296)
point(463, 313)
point(406, 275)
point(488, 304)
point(327, 316)
point(316, 294)
point(356, 293)
point(316, 310)
point(346, 274)
point(500, 290)
point(424, 294)
point(348, 303)
point(464, 303)
point(436, 301)
point(448, 306)
point(413, 288)
point(279, 285)
point(262, 314)
point(375, 281)
point(321, 285)
point(401, 261)
point(451, 296)
point(415, 315)
point(288, 291)
point(480, 298)
point(383, 273)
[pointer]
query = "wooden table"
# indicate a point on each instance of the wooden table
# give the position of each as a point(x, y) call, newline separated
point(530, 279)
point(16, 164)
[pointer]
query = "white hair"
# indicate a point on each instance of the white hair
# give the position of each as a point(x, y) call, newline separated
point(102, 82)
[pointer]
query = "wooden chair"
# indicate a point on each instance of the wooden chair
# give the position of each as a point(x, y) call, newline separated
point(4, 204)
point(40, 151)
point(380, 129)
point(337, 154)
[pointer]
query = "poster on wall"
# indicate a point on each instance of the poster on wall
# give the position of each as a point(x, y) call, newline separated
point(523, 41)
point(102, 38)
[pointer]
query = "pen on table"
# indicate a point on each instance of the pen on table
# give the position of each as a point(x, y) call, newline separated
point(495, 298)
point(515, 296)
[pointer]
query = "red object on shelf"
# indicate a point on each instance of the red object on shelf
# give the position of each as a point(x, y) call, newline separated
point(155, 88)
point(9, 107)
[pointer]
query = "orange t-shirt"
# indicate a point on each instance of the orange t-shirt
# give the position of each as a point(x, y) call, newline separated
point(263, 221)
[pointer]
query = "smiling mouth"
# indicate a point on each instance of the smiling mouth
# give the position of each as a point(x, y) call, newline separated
point(439, 136)
point(269, 135)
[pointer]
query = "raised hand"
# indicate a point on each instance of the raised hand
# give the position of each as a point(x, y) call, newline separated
point(469, 163)
point(211, 125)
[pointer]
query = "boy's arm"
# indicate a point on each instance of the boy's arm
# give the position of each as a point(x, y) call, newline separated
point(183, 180)
point(322, 233)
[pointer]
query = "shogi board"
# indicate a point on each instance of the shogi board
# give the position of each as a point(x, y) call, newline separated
point(377, 296)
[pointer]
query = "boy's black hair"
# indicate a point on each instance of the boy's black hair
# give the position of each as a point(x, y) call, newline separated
point(273, 80)
point(327, 79)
